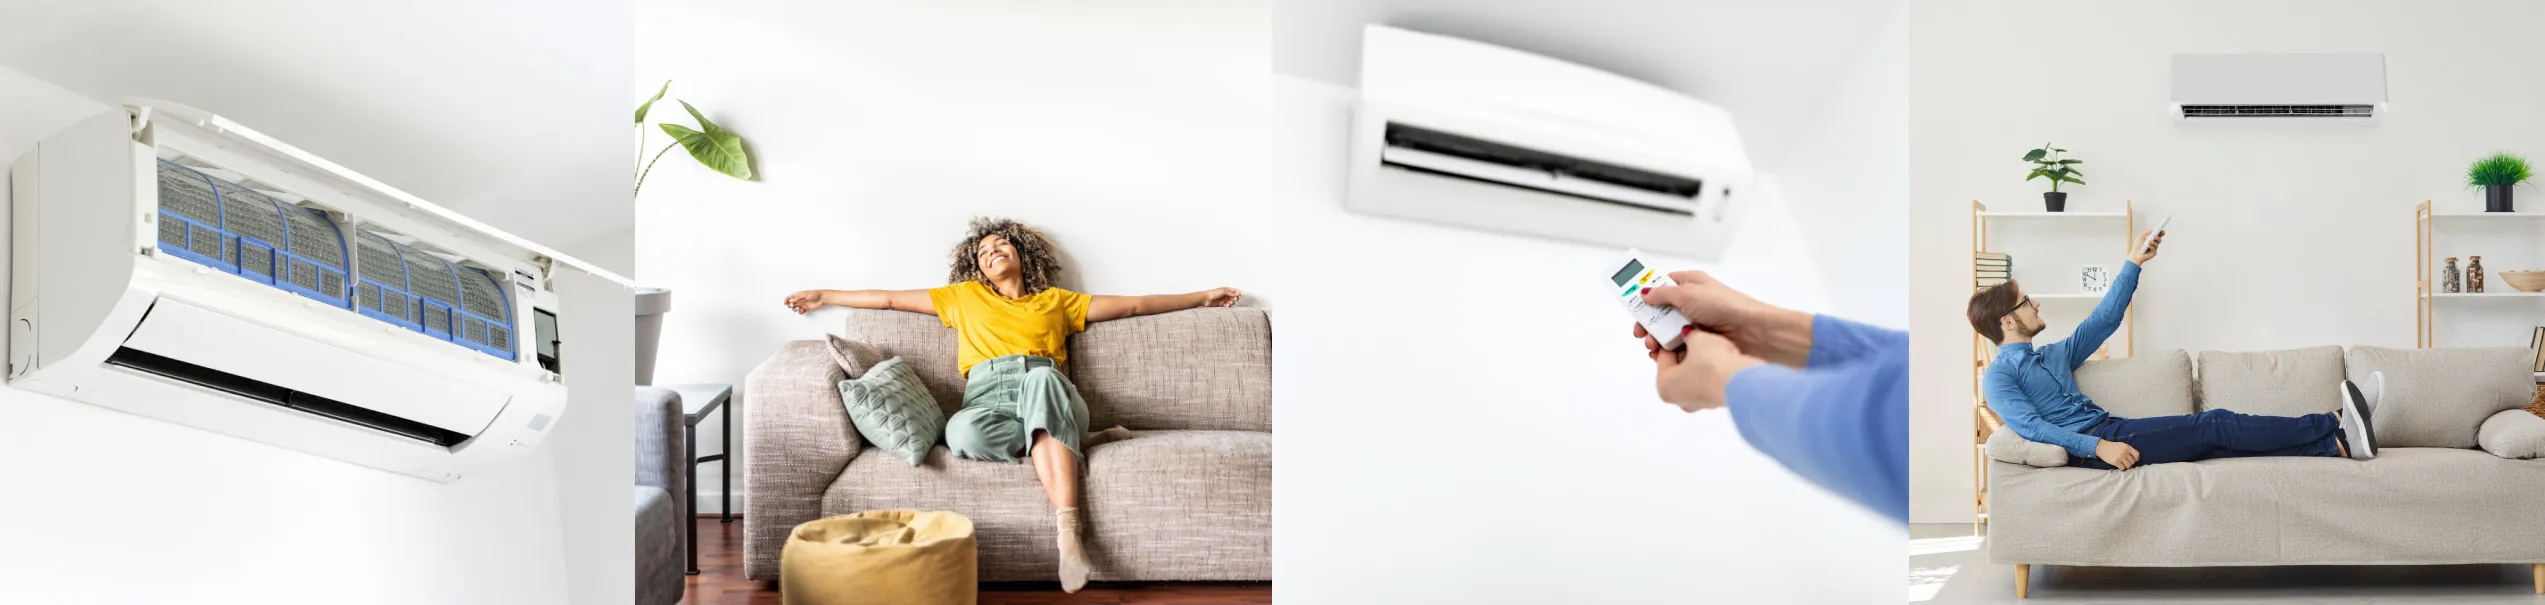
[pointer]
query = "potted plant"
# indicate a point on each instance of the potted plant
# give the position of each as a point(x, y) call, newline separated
point(718, 149)
point(2047, 163)
point(2496, 175)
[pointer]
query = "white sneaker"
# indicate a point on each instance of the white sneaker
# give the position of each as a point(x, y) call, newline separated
point(2357, 432)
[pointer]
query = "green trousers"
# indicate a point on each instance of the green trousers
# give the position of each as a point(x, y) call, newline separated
point(1007, 399)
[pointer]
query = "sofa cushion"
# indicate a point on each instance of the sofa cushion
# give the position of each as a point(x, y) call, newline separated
point(892, 410)
point(2294, 382)
point(2441, 397)
point(2140, 386)
point(2408, 506)
point(2010, 448)
point(1195, 369)
point(1163, 505)
point(2513, 434)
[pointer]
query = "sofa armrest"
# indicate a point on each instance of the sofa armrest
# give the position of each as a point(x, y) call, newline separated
point(2515, 434)
point(799, 439)
point(2008, 447)
point(658, 441)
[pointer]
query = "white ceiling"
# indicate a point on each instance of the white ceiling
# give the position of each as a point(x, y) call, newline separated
point(510, 112)
point(1771, 64)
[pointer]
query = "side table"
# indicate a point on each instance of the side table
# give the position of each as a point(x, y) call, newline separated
point(696, 402)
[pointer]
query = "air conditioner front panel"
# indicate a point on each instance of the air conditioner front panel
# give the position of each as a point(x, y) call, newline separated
point(183, 331)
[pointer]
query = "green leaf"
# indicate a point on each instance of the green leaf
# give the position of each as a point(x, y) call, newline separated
point(2071, 161)
point(2035, 155)
point(2060, 150)
point(710, 127)
point(719, 150)
point(649, 103)
point(2076, 180)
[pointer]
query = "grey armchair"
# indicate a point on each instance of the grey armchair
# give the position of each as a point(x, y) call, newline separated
point(660, 576)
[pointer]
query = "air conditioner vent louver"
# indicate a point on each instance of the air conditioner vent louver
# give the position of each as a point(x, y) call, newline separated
point(2279, 111)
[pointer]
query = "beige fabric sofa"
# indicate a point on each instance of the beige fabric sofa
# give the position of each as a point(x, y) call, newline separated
point(1188, 498)
point(2455, 480)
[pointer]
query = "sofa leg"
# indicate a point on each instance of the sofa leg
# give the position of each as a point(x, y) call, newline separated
point(2539, 572)
point(2023, 579)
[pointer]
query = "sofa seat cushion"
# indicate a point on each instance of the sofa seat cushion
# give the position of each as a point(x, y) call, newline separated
point(1163, 505)
point(2409, 506)
point(2140, 386)
point(2440, 397)
point(2294, 382)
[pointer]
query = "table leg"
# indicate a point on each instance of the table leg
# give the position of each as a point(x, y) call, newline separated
point(689, 509)
point(724, 499)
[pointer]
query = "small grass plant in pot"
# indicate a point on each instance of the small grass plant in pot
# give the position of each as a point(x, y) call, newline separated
point(2496, 174)
point(2048, 163)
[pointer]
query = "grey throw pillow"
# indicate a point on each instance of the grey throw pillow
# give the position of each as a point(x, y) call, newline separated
point(853, 356)
point(893, 411)
point(2513, 434)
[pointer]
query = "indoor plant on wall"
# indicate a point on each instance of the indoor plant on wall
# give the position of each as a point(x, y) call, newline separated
point(719, 149)
point(2496, 174)
point(2047, 163)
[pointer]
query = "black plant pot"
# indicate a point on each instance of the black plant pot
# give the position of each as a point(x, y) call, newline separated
point(2057, 201)
point(2496, 198)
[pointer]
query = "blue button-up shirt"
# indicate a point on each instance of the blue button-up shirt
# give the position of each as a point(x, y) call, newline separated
point(2035, 388)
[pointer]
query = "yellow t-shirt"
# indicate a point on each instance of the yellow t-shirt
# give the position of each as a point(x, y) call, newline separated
point(989, 326)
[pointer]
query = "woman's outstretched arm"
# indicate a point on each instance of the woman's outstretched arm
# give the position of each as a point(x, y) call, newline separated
point(1101, 308)
point(915, 301)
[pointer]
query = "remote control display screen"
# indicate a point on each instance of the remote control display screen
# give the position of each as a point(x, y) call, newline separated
point(1633, 267)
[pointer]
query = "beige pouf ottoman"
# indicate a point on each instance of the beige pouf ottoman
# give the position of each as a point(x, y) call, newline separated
point(899, 557)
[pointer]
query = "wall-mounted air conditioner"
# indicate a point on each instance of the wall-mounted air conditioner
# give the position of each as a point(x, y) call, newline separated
point(170, 263)
point(1464, 133)
point(2320, 86)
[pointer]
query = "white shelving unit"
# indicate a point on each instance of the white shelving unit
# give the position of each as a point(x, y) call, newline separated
point(2425, 293)
point(1982, 350)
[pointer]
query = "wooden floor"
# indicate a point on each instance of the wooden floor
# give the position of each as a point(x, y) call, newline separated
point(720, 582)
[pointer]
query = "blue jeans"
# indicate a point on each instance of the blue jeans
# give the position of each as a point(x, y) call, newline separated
point(2217, 434)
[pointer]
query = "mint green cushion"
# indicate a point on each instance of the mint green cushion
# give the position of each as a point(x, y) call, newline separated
point(893, 411)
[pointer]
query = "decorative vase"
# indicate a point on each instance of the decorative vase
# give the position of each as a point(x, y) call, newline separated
point(2496, 198)
point(2448, 277)
point(2056, 201)
point(651, 304)
point(2474, 274)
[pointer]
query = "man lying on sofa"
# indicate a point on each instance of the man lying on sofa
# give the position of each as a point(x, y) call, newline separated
point(2035, 390)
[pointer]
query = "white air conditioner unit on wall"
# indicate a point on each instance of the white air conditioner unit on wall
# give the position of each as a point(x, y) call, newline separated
point(170, 263)
point(2318, 86)
point(1463, 133)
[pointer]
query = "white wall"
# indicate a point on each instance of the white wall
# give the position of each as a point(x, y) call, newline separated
point(1130, 131)
point(2286, 234)
point(1849, 182)
point(108, 507)
point(1460, 420)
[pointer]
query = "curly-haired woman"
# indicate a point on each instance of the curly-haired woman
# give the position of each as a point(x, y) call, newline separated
point(1011, 330)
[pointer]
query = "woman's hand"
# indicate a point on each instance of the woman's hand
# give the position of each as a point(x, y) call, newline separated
point(1221, 297)
point(806, 301)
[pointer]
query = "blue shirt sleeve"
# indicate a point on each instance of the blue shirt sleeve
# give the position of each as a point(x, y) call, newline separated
point(2100, 324)
point(2017, 410)
point(1837, 341)
point(1844, 427)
